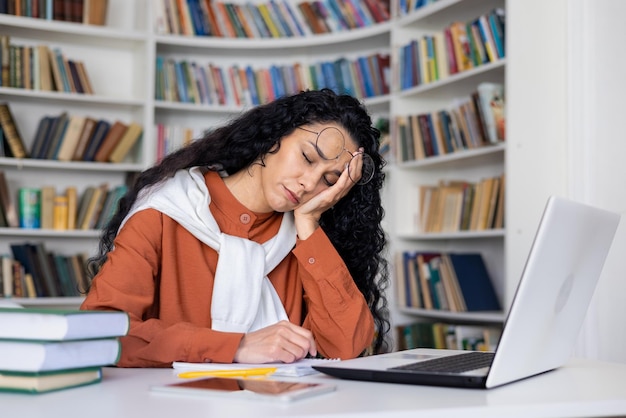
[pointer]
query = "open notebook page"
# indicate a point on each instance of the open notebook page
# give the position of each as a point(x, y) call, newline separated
point(299, 368)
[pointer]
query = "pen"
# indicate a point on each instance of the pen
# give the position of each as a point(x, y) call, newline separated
point(261, 371)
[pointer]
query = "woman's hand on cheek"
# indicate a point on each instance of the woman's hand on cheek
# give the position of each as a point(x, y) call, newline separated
point(307, 215)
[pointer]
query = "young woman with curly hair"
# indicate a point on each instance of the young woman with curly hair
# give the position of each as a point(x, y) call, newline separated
point(259, 242)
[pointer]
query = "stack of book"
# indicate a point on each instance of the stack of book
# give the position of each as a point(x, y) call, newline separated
point(43, 350)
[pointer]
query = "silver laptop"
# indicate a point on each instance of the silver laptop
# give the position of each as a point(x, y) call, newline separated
point(558, 281)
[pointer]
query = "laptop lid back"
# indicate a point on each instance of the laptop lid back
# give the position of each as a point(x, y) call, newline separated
point(558, 281)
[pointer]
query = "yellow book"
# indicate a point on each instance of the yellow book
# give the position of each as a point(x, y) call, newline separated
point(72, 206)
point(60, 212)
point(267, 18)
point(47, 206)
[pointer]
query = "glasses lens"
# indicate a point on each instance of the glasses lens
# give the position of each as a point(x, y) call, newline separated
point(367, 169)
point(330, 143)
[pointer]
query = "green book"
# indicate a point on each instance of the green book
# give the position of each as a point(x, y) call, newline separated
point(29, 204)
point(44, 382)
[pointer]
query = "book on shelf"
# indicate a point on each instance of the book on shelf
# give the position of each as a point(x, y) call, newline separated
point(7, 204)
point(94, 142)
point(449, 336)
point(110, 141)
point(474, 282)
point(29, 207)
point(492, 103)
point(44, 382)
point(13, 138)
point(70, 138)
point(455, 282)
point(60, 213)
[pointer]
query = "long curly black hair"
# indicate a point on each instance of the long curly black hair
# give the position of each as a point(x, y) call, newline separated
point(353, 225)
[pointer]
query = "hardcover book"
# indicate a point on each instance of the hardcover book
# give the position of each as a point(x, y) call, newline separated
point(61, 324)
point(11, 381)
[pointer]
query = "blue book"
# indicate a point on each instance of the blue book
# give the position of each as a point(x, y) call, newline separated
point(254, 92)
point(337, 16)
point(346, 77)
point(498, 34)
point(328, 72)
point(259, 22)
point(281, 19)
point(366, 75)
point(294, 18)
point(278, 84)
point(180, 83)
point(195, 10)
point(474, 281)
point(99, 133)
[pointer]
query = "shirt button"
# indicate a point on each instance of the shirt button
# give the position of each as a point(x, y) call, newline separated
point(244, 218)
point(311, 260)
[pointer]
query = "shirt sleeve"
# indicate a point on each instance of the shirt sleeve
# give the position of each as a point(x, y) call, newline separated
point(129, 281)
point(337, 312)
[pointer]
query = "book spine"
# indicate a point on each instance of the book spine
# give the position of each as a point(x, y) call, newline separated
point(29, 207)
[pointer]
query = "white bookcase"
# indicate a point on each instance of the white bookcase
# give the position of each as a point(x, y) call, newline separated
point(469, 165)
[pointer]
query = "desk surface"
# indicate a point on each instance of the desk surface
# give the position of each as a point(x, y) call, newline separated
point(581, 389)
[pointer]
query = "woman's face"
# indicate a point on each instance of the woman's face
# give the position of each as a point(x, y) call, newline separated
point(297, 172)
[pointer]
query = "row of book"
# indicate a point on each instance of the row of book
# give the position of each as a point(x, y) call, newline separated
point(455, 282)
point(42, 68)
point(447, 336)
point(173, 137)
point(272, 19)
point(92, 12)
point(43, 350)
point(70, 138)
point(44, 208)
point(31, 271)
point(453, 206)
point(459, 47)
point(404, 7)
point(189, 82)
point(467, 123)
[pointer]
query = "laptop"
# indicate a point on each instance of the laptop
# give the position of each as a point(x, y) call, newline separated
point(543, 323)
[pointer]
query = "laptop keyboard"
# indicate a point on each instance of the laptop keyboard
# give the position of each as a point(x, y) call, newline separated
point(457, 363)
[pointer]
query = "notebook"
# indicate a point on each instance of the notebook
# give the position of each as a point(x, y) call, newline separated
point(541, 328)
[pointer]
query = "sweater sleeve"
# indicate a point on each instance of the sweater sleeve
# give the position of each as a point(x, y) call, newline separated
point(337, 312)
point(130, 281)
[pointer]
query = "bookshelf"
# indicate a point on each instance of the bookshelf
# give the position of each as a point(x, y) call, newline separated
point(472, 165)
point(121, 60)
point(121, 92)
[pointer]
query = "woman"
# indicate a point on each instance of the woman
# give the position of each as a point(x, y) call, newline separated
point(286, 263)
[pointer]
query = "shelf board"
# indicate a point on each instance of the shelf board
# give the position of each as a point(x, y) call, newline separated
point(465, 317)
point(57, 96)
point(22, 163)
point(473, 76)
point(486, 152)
point(50, 233)
point(193, 107)
point(72, 32)
point(296, 42)
point(485, 234)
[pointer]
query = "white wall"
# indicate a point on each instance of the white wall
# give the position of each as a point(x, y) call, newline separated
point(565, 118)
point(597, 89)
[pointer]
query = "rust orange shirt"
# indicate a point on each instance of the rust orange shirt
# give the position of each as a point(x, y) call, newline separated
point(163, 276)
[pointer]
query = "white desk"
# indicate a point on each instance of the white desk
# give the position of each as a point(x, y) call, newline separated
point(581, 389)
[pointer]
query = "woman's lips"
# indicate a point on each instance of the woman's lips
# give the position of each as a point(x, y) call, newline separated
point(292, 197)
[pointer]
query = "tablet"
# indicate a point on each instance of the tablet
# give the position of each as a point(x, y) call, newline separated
point(237, 388)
